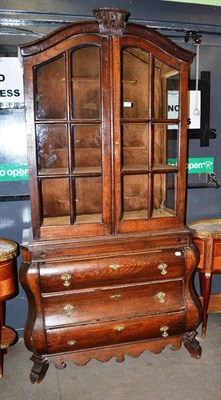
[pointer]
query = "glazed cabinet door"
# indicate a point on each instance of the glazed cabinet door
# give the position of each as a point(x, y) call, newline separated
point(71, 140)
point(149, 139)
point(110, 152)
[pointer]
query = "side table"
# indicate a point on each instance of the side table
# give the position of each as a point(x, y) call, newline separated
point(8, 290)
point(207, 238)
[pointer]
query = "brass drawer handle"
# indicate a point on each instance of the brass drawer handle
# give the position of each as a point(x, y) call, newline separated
point(116, 297)
point(161, 297)
point(69, 310)
point(71, 342)
point(66, 278)
point(163, 268)
point(115, 267)
point(119, 328)
point(164, 329)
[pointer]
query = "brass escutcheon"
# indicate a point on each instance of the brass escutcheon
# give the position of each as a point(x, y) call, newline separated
point(66, 278)
point(164, 329)
point(161, 297)
point(116, 297)
point(69, 310)
point(115, 267)
point(162, 267)
point(119, 328)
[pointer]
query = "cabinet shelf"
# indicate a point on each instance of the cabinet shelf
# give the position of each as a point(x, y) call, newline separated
point(165, 121)
point(143, 214)
point(63, 172)
point(89, 218)
point(93, 80)
point(130, 215)
point(153, 121)
point(142, 169)
point(164, 168)
point(131, 169)
point(47, 172)
point(90, 171)
point(54, 221)
point(80, 219)
point(163, 212)
point(133, 82)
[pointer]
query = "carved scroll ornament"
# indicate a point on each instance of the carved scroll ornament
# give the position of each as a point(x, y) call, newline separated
point(112, 21)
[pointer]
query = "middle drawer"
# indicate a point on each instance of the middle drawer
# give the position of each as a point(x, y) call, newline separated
point(115, 303)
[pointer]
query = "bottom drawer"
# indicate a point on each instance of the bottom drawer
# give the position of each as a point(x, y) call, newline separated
point(122, 331)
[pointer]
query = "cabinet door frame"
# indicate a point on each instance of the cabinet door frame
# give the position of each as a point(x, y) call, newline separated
point(141, 225)
point(32, 62)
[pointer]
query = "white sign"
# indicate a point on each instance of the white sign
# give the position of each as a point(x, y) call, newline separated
point(11, 81)
point(194, 107)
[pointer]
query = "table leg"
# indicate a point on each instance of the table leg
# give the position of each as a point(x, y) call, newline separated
point(201, 282)
point(2, 321)
point(207, 281)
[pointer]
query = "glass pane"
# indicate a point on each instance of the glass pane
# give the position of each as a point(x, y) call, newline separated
point(86, 142)
point(164, 195)
point(85, 75)
point(55, 201)
point(88, 199)
point(51, 90)
point(52, 148)
point(135, 196)
point(166, 91)
point(135, 146)
point(165, 145)
point(135, 83)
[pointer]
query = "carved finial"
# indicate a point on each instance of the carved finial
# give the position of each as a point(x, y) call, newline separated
point(111, 21)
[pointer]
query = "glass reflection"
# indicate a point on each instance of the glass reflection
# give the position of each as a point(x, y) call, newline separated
point(55, 201)
point(135, 146)
point(164, 195)
point(135, 196)
point(86, 148)
point(51, 90)
point(52, 148)
point(135, 83)
point(88, 199)
point(85, 76)
point(165, 145)
point(166, 91)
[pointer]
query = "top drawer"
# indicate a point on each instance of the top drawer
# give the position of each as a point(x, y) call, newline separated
point(73, 275)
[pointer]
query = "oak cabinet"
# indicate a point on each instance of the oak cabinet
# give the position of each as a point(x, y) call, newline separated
point(109, 268)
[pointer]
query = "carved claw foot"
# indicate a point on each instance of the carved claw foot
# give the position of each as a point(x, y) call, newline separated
point(192, 345)
point(39, 369)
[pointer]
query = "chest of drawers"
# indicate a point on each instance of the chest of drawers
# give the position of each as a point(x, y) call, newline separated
point(88, 306)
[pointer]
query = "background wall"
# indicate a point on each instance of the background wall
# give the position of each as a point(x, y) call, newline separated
point(24, 21)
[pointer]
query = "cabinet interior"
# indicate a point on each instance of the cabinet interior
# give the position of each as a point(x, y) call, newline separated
point(68, 123)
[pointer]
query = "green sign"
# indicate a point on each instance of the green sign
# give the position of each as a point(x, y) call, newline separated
point(13, 172)
point(202, 165)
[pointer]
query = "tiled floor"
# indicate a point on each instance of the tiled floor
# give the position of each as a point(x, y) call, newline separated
point(169, 375)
